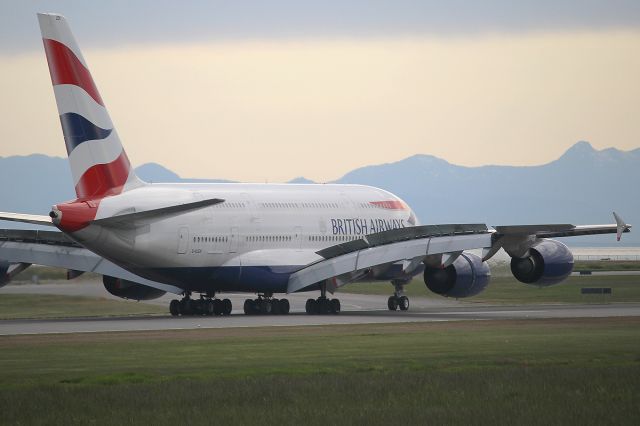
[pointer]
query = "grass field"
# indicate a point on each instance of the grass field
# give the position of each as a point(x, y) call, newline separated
point(14, 306)
point(551, 372)
point(506, 290)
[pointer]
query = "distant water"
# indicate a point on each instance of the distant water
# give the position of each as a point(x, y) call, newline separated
point(609, 253)
point(586, 253)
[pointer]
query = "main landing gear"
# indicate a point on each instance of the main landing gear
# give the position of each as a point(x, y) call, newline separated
point(398, 300)
point(266, 304)
point(206, 305)
point(322, 305)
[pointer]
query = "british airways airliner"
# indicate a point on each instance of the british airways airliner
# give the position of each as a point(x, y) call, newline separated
point(262, 239)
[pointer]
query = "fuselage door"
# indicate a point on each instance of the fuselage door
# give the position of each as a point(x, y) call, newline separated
point(233, 240)
point(297, 236)
point(183, 239)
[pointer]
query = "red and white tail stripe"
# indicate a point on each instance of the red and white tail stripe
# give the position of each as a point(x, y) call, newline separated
point(99, 164)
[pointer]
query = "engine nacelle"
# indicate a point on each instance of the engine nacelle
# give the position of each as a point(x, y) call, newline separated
point(467, 276)
point(129, 289)
point(549, 262)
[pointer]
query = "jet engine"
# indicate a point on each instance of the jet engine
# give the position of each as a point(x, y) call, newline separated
point(548, 262)
point(129, 289)
point(467, 276)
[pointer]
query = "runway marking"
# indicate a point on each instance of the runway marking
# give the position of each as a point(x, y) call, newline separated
point(484, 312)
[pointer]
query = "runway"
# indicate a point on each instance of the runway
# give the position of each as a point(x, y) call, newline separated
point(356, 309)
point(92, 325)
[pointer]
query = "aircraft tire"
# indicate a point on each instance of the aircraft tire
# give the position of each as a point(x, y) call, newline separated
point(248, 307)
point(217, 307)
point(323, 306)
point(209, 306)
point(227, 307)
point(174, 307)
point(186, 307)
point(275, 306)
point(392, 303)
point(335, 306)
point(265, 307)
point(284, 306)
point(403, 303)
point(310, 306)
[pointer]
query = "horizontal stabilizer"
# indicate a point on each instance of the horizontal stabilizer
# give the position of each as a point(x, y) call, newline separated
point(27, 218)
point(133, 219)
point(56, 249)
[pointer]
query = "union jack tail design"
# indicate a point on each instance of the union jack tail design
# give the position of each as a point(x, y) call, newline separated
point(99, 164)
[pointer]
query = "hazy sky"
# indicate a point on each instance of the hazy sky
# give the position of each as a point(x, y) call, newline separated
point(267, 91)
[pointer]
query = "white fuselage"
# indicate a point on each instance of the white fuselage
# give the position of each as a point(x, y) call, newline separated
point(253, 240)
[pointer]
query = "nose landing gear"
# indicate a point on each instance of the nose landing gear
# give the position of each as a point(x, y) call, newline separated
point(398, 300)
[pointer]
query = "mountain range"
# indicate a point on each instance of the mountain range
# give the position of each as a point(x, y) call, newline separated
point(583, 186)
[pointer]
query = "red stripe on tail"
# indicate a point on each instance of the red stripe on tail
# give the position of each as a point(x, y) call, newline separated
point(66, 68)
point(104, 179)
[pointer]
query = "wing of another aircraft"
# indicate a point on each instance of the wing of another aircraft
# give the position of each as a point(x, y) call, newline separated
point(51, 248)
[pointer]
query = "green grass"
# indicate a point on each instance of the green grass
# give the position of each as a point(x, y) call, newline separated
point(14, 306)
point(476, 372)
point(625, 288)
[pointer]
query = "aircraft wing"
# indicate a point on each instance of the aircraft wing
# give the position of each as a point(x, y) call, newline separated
point(51, 248)
point(413, 245)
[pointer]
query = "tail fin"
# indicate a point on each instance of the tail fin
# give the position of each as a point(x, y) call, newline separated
point(99, 164)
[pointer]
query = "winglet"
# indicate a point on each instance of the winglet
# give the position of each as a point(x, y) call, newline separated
point(621, 226)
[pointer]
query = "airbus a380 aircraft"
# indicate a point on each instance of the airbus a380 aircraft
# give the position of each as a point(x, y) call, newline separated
point(148, 239)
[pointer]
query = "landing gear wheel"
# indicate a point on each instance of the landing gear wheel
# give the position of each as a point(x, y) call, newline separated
point(392, 303)
point(275, 306)
point(265, 306)
point(209, 307)
point(335, 306)
point(403, 303)
point(217, 306)
point(226, 307)
point(174, 307)
point(284, 306)
point(248, 307)
point(187, 307)
point(311, 306)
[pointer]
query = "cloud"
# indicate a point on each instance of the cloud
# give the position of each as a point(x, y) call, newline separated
point(119, 22)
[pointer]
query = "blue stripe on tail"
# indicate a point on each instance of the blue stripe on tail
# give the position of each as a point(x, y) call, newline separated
point(78, 129)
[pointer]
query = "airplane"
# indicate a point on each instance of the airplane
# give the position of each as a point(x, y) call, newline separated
point(147, 239)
